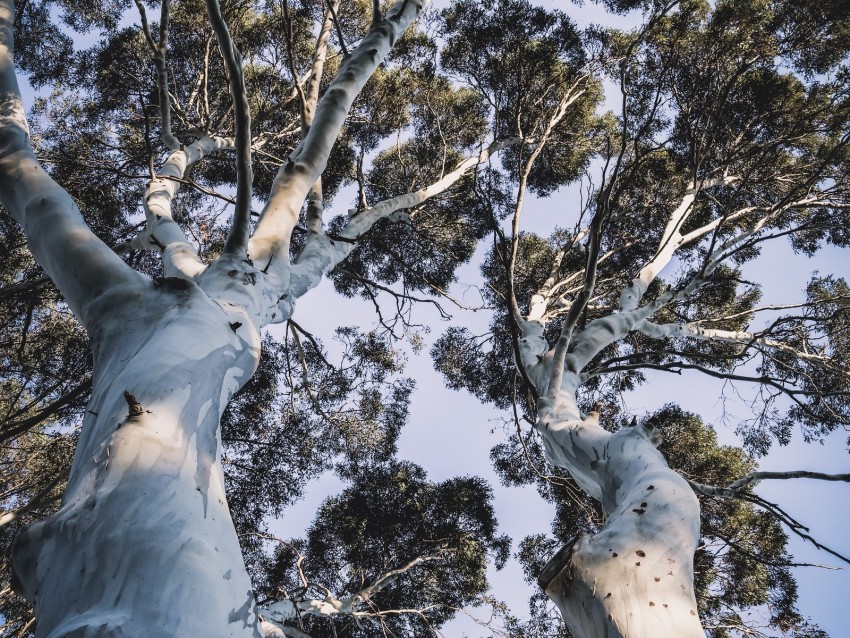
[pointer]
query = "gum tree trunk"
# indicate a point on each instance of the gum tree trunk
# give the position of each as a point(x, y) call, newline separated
point(634, 578)
point(143, 544)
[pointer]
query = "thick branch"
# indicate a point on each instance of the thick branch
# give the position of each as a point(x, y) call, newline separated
point(308, 161)
point(761, 476)
point(671, 240)
point(697, 331)
point(161, 231)
point(159, 50)
point(321, 253)
point(237, 239)
point(315, 203)
point(55, 230)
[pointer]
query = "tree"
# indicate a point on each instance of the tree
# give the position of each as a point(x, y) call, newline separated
point(144, 530)
point(731, 132)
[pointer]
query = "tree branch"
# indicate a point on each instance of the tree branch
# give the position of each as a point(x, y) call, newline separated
point(161, 231)
point(56, 232)
point(236, 243)
point(795, 526)
point(322, 253)
point(159, 51)
point(307, 162)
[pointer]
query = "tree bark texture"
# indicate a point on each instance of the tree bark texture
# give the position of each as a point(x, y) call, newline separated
point(143, 544)
point(634, 578)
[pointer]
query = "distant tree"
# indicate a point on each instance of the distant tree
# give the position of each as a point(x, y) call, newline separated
point(359, 570)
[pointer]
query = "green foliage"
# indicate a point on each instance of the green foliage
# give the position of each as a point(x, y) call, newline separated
point(520, 58)
point(389, 518)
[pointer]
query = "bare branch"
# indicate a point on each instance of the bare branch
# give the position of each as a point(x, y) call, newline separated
point(159, 51)
point(56, 232)
point(307, 162)
point(761, 476)
point(42, 498)
point(161, 231)
point(331, 4)
point(237, 239)
point(322, 253)
point(795, 526)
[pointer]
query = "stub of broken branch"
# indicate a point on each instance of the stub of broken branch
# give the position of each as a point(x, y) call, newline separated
point(556, 565)
point(134, 407)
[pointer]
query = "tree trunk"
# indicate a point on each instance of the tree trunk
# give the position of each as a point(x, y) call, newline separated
point(634, 578)
point(143, 544)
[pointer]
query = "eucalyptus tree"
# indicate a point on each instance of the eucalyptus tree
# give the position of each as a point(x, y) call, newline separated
point(389, 522)
point(143, 542)
point(731, 131)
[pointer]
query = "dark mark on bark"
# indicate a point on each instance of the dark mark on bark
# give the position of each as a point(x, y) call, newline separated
point(234, 325)
point(641, 553)
point(135, 408)
point(557, 564)
point(249, 279)
point(615, 554)
point(639, 511)
point(651, 487)
point(176, 283)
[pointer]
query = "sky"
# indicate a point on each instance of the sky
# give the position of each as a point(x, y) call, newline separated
point(451, 433)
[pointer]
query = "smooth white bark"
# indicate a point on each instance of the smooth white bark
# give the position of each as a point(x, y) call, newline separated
point(270, 242)
point(671, 240)
point(161, 232)
point(143, 541)
point(143, 544)
point(322, 253)
point(634, 578)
